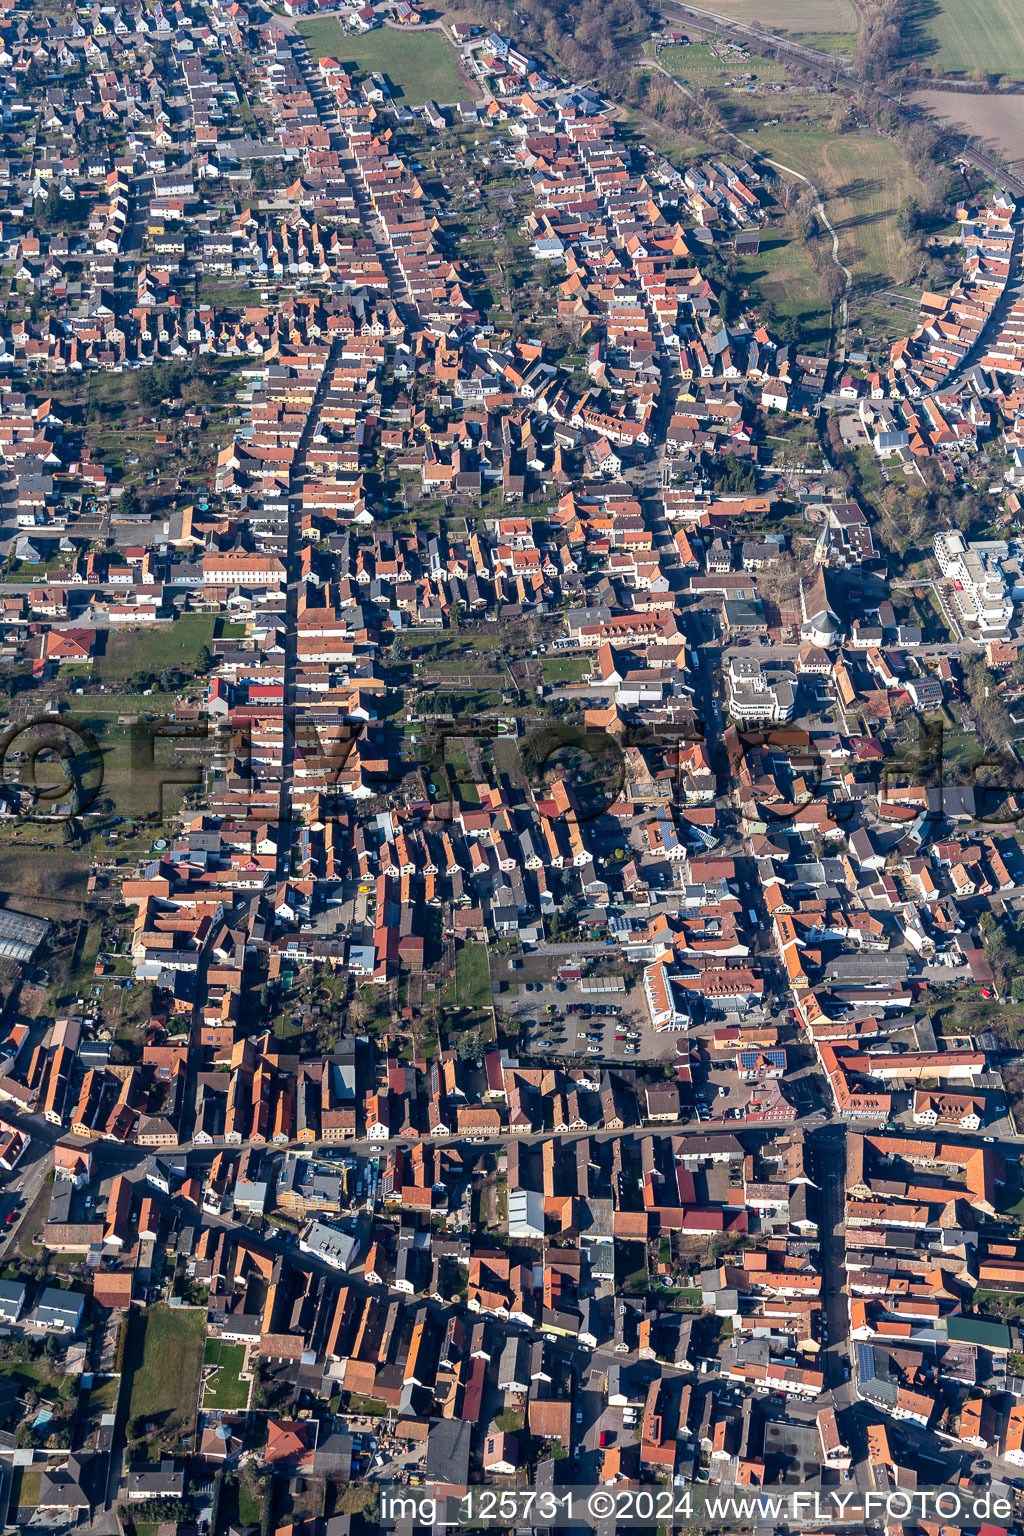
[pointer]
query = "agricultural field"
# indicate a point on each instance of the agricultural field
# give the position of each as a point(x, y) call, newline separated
point(802, 16)
point(959, 37)
point(420, 65)
point(998, 121)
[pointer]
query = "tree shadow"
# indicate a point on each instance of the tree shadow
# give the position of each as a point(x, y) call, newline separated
point(917, 43)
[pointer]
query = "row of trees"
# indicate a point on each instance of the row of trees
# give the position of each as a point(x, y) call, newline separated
point(881, 36)
point(652, 93)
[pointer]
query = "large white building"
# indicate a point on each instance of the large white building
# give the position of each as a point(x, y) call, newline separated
point(980, 590)
point(761, 691)
point(665, 1004)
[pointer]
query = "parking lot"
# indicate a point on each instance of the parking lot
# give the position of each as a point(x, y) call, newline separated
point(720, 1086)
point(557, 1017)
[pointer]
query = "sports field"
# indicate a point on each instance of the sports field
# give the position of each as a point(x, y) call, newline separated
point(419, 65)
point(956, 37)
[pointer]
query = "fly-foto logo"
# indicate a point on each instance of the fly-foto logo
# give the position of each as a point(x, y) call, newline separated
point(52, 768)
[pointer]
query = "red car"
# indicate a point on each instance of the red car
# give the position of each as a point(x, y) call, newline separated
point(604, 1438)
point(11, 1217)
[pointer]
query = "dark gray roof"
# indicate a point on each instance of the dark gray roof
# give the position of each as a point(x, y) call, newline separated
point(447, 1458)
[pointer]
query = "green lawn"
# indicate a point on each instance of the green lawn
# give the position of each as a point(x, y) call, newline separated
point(450, 648)
point(960, 36)
point(223, 1389)
point(136, 781)
point(26, 1488)
point(163, 1358)
point(126, 704)
point(565, 669)
point(473, 976)
point(419, 65)
point(248, 1508)
point(219, 292)
point(33, 1375)
point(863, 179)
point(999, 1301)
point(85, 956)
point(842, 43)
point(103, 1396)
point(782, 273)
point(156, 648)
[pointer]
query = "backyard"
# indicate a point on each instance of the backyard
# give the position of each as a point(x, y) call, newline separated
point(473, 976)
point(784, 276)
point(223, 1389)
point(25, 1488)
point(565, 669)
point(162, 1363)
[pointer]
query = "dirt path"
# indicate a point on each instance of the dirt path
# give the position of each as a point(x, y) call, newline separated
point(819, 208)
